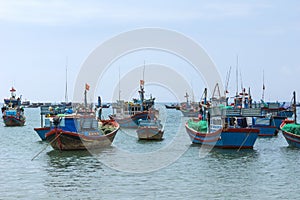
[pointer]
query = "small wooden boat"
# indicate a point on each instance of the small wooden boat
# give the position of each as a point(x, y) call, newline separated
point(189, 109)
point(150, 130)
point(291, 132)
point(172, 106)
point(290, 129)
point(12, 111)
point(90, 134)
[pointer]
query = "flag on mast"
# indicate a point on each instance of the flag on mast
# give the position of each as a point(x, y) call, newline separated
point(87, 87)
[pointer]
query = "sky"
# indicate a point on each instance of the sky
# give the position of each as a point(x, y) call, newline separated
point(39, 38)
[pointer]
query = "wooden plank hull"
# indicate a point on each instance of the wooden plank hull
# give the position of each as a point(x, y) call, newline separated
point(266, 131)
point(67, 140)
point(230, 138)
point(151, 133)
point(292, 139)
point(42, 132)
point(13, 121)
point(132, 121)
point(188, 113)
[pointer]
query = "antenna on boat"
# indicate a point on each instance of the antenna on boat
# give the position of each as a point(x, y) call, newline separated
point(142, 82)
point(119, 84)
point(144, 70)
point(242, 87)
point(87, 88)
point(237, 75)
point(66, 91)
point(294, 107)
point(263, 93)
point(227, 80)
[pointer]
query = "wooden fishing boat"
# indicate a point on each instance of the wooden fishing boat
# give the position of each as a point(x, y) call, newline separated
point(150, 130)
point(12, 111)
point(189, 109)
point(172, 106)
point(127, 114)
point(222, 128)
point(90, 135)
point(229, 138)
point(290, 129)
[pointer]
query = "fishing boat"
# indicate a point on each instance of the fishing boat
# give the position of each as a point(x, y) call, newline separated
point(89, 133)
point(172, 106)
point(82, 130)
point(150, 130)
point(291, 129)
point(128, 114)
point(188, 108)
point(265, 122)
point(12, 111)
point(48, 113)
point(222, 128)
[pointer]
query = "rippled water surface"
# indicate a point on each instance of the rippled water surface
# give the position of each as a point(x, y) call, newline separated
point(271, 170)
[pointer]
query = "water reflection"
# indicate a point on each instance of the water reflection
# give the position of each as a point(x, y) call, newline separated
point(228, 154)
point(70, 171)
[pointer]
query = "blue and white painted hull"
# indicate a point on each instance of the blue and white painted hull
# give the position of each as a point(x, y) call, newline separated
point(266, 131)
point(42, 132)
point(230, 138)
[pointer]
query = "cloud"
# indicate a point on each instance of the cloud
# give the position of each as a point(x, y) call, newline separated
point(57, 12)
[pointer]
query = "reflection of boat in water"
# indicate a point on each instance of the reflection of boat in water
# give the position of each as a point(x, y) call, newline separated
point(12, 111)
point(150, 130)
point(127, 114)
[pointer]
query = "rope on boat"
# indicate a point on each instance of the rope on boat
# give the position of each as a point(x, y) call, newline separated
point(244, 142)
point(46, 146)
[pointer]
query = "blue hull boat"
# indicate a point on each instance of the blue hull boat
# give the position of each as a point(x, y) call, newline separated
point(42, 132)
point(229, 138)
point(266, 126)
point(266, 131)
point(133, 121)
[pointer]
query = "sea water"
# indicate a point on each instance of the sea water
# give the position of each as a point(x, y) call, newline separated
point(169, 169)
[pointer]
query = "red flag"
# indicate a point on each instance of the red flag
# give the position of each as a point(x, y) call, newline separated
point(87, 87)
point(142, 82)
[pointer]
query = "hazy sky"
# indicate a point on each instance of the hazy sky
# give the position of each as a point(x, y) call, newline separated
point(37, 36)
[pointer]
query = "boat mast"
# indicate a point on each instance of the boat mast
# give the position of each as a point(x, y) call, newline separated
point(294, 105)
point(237, 75)
point(142, 82)
point(227, 81)
point(66, 91)
point(119, 84)
point(263, 93)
